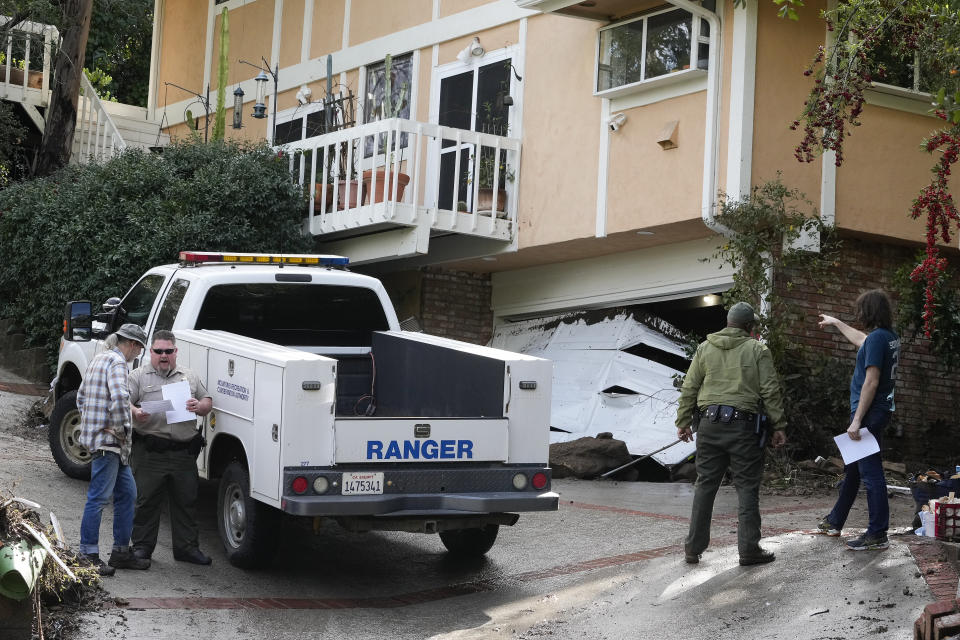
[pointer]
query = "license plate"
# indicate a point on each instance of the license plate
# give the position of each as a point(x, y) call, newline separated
point(361, 484)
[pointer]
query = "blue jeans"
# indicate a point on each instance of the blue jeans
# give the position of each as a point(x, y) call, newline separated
point(108, 477)
point(870, 470)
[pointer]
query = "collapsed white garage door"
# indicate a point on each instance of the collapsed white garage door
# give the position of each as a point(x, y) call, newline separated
point(598, 387)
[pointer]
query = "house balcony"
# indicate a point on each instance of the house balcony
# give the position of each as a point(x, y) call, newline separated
point(387, 189)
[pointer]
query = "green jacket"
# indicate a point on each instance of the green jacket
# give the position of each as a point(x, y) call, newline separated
point(732, 368)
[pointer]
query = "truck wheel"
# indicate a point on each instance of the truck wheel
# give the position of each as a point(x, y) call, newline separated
point(470, 542)
point(248, 528)
point(64, 435)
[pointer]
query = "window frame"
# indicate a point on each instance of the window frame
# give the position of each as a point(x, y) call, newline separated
point(697, 38)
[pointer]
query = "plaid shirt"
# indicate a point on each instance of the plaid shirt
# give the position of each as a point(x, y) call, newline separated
point(104, 403)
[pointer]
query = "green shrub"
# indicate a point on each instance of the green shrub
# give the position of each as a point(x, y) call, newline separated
point(88, 232)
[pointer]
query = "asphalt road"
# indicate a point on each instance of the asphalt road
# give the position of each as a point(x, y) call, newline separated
point(609, 564)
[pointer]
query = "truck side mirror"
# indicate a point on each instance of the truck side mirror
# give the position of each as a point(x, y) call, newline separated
point(78, 321)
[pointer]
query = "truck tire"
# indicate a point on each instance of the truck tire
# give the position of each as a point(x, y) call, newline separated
point(248, 528)
point(470, 542)
point(64, 433)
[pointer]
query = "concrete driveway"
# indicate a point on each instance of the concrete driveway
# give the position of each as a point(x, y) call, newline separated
point(609, 564)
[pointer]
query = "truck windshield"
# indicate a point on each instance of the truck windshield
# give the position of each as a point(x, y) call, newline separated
point(295, 315)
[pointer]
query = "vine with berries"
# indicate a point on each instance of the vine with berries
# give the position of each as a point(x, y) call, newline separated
point(866, 33)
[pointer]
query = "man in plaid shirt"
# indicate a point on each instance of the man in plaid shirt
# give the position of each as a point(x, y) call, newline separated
point(104, 403)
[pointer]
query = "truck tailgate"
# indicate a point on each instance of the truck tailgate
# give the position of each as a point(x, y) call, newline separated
point(421, 439)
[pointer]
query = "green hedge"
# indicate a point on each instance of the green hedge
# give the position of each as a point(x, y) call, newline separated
point(88, 232)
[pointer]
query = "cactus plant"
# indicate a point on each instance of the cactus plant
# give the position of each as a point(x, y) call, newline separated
point(220, 119)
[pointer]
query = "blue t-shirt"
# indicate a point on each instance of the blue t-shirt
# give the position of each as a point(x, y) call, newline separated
point(880, 349)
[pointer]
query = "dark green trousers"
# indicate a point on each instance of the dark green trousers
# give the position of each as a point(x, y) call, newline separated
point(719, 447)
point(163, 475)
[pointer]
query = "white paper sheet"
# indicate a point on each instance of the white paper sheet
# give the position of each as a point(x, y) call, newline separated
point(853, 450)
point(156, 406)
point(178, 393)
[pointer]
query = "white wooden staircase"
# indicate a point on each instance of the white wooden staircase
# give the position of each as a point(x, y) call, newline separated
point(104, 129)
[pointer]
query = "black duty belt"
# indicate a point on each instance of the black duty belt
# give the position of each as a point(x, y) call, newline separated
point(726, 413)
point(158, 444)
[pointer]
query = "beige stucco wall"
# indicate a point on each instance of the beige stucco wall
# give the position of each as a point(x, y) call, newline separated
point(647, 185)
point(250, 40)
point(558, 177)
point(292, 30)
point(327, 34)
point(371, 19)
point(181, 50)
point(883, 171)
point(784, 49)
point(450, 7)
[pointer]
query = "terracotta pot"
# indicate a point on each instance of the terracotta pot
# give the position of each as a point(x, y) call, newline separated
point(342, 187)
point(485, 201)
point(382, 176)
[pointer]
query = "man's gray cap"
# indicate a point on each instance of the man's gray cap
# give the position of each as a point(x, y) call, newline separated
point(740, 314)
point(133, 332)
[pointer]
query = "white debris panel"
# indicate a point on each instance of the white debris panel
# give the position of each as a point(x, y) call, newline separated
point(597, 386)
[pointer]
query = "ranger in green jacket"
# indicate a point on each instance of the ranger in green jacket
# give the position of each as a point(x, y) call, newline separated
point(730, 383)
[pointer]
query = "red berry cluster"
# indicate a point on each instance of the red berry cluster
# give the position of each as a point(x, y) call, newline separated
point(936, 202)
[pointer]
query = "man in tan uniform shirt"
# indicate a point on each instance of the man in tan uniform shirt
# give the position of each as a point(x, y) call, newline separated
point(164, 459)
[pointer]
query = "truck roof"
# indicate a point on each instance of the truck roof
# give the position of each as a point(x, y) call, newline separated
point(246, 272)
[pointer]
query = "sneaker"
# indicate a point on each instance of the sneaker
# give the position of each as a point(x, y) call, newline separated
point(868, 543)
point(98, 564)
point(126, 560)
point(827, 529)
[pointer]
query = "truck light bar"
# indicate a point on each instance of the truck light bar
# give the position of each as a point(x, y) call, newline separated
point(198, 257)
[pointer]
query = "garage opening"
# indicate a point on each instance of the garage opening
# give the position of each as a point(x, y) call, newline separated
point(615, 371)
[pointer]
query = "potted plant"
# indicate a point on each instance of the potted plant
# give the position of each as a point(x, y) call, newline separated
point(487, 169)
point(387, 109)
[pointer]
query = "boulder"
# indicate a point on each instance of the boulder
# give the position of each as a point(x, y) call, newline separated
point(587, 457)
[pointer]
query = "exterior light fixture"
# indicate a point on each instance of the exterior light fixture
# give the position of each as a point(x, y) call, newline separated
point(238, 108)
point(474, 49)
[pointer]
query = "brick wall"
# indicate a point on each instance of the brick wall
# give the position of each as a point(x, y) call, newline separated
point(927, 394)
point(456, 304)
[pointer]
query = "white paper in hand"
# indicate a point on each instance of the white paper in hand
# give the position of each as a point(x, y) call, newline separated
point(156, 406)
point(853, 450)
point(178, 393)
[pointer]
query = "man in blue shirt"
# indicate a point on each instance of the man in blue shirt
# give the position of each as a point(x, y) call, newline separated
point(871, 405)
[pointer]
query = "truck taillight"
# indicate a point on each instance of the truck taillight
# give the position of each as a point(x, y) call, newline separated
point(539, 480)
point(299, 485)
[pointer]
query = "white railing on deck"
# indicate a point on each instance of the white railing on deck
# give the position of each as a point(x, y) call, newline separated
point(405, 147)
point(98, 137)
point(27, 52)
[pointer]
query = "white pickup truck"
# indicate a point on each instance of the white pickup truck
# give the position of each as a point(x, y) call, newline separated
point(322, 406)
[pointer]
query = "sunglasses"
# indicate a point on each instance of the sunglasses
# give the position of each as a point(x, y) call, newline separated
point(161, 352)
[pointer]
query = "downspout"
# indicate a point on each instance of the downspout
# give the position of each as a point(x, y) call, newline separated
point(711, 137)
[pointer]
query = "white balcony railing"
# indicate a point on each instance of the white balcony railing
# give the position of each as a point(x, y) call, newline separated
point(400, 173)
point(25, 69)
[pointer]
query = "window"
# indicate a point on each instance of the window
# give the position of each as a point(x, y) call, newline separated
point(401, 70)
point(301, 315)
point(907, 70)
point(139, 301)
point(650, 46)
point(171, 304)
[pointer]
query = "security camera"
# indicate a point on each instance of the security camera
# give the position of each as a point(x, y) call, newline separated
point(616, 121)
point(303, 96)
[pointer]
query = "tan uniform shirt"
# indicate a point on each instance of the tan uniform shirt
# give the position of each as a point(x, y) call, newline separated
point(145, 384)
